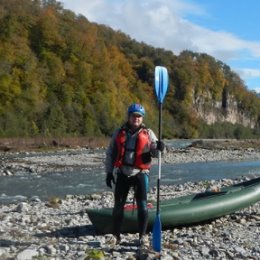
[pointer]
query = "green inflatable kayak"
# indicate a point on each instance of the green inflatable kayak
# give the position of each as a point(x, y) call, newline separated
point(186, 210)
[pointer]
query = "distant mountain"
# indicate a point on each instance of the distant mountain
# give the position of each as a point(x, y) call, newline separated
point(61, 75)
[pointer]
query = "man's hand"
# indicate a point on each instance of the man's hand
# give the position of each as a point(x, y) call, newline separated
point(110, 179)
point(160, 146)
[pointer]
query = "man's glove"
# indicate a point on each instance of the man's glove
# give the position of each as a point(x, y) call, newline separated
point(160, 146)
point(110, 179)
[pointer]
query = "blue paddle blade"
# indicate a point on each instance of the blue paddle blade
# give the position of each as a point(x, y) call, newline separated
point(160, 82)
point(157, 233)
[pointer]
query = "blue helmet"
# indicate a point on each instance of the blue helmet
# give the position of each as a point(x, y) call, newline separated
point(137, 109)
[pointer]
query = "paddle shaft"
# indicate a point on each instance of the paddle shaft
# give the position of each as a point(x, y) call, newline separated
point(159, 160)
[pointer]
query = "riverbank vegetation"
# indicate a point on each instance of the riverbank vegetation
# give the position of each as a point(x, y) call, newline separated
point(47, 143)
point(63, 76)
point(228, 130)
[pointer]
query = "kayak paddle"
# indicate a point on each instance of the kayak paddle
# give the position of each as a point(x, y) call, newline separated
point(161, 86)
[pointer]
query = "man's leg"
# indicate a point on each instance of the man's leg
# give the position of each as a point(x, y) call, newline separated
point(121, 191)
point(142, 182)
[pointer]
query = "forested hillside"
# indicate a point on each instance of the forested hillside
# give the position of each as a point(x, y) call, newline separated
point(61, 75)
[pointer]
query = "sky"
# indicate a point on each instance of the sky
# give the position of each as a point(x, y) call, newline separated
point(228, 30)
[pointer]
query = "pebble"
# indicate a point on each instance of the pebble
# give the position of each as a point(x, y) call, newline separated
point(28, 253)
point(22, 207)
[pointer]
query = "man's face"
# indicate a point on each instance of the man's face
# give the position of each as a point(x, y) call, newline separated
point(135, 120)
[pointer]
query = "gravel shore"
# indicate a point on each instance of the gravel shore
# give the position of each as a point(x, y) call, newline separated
point(69, 159)
point(60, 229)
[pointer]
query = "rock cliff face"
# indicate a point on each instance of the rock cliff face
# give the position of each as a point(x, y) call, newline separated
point(225, 110)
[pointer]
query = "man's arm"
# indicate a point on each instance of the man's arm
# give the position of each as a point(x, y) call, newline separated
point(155, 144)
point(110, 153)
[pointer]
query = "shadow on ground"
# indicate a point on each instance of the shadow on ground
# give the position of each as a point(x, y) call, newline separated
point(72, 232)
point(8, 243)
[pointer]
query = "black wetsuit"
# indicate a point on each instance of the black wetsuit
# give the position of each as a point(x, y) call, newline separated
point(140, 182)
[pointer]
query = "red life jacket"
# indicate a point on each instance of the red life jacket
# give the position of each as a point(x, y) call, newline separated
point(142, 149)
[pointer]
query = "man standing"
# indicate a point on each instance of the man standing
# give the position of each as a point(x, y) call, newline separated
point(128, 162)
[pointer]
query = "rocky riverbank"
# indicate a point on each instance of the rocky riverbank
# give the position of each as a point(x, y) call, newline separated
point(15, 163)
point(60, 229)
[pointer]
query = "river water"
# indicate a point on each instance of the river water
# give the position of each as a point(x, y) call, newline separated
point(79, 182)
